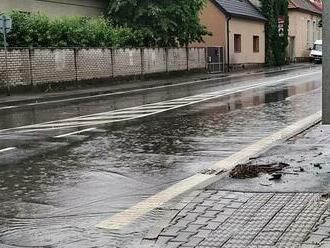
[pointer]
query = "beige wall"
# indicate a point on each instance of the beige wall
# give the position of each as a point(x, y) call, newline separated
point(298, 28)
point(57, 7)
point(215, 21)
point(247, 29)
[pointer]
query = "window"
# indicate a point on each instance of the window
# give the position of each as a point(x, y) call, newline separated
point(308, 41)
point(255, 44)
point(237, 43)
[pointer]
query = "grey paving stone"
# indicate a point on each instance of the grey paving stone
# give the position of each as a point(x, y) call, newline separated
point(193, 242)
point(309, 246)
point(324, 244)
point(193, 227)
point(231, 195)
point(235, 204)
point(207, 203)
point(226, 201)
point(173, 244)
point(192, 216)
point(326, 222)
point(228, 211)
point(210, 214)
point(212, 225)
point(243, 199)
point(266, 238)
point(203, 234)
point(199, 199)
point(202, 221)
point(221, 218)
point(315, 239)
point(322, 230)
point(199, 209)
point(162, 240)
point(171, 231)
point(183, 236)
point(218, 207)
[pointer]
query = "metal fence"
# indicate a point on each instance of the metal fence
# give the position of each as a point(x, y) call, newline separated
point(43, 65)
point(215, 59)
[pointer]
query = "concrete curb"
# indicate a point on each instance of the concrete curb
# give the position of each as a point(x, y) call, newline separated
point(202, 180)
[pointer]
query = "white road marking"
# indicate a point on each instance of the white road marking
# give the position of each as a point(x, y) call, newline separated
point(144, 89)
point(153, 109)
point(7, 149)
point(8, 107)
point(77, 132)
point(120, 220)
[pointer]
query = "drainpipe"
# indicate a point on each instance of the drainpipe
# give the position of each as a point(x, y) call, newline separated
point(228, 40)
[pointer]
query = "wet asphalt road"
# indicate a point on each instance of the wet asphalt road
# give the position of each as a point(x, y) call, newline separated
point(55, 199)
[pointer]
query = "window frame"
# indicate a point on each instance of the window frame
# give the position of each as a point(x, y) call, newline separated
point(237, 43)
point(256, 43)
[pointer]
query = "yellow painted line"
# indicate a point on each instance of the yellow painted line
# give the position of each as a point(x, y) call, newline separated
point(120, 220)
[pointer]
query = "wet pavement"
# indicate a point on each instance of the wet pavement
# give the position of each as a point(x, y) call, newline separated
point(55, 198)
point(38, 112)
point(292, 211)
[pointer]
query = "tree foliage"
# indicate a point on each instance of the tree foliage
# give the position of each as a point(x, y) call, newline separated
point(160, 22)
point(38, 30)
point(276, 46)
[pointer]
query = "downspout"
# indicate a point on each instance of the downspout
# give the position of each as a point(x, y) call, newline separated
point(228, 40)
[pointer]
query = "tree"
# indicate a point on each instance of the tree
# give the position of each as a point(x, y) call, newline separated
point(160, 22)
point(275, 44)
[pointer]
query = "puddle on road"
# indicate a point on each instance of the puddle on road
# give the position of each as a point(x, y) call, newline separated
point(56, 200)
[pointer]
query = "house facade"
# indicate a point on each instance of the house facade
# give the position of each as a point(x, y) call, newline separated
point(239, 28)
point(57, 7)
point(304, 29)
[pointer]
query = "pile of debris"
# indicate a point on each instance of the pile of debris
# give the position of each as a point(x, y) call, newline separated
point(249, 170)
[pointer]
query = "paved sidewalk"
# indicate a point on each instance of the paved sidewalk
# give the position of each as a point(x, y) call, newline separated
point(257, 212)
point(17, 98)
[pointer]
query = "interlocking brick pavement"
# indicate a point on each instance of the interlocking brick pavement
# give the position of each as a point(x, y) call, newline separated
point(216, 218)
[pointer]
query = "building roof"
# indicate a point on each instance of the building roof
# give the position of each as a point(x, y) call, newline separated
point(318, 4)
point(239, 8)
point(304, 5)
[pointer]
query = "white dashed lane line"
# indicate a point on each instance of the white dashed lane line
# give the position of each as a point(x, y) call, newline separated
point(7, 149)
point(77, 132)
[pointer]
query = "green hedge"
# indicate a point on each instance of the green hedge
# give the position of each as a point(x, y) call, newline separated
point(39, 30)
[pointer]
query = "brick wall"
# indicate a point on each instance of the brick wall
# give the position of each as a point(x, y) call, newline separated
point(93, 63)
point(18, 67)
point(38, 66)
point(127, 62)
point(53, 65)
point(196, 58)
point(177, 59)
point(154, 60)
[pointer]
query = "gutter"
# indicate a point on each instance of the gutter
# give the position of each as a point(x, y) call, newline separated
point(228, 40)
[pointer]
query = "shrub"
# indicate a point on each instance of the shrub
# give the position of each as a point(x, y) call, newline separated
point(39, 30)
